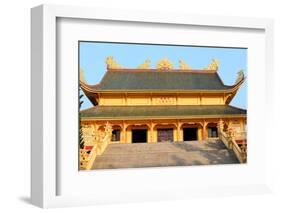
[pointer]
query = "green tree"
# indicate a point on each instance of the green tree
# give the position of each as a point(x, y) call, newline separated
point(81, 141)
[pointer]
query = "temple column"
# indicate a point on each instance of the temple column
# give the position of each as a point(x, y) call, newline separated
point(128, 134)
point(151, 138)
point(204, 131)
point(242, 127)
point(200, 125)
point(179, 132)
point(200, 133)
point(175, 134)
point(123, 133)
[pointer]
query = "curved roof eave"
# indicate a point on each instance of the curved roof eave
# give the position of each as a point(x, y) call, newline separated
point(94, 89)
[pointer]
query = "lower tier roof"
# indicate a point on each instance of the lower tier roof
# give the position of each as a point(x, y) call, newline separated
point(137, 112)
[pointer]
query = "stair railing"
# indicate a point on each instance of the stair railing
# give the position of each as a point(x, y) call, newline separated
point(99, 141)
point(228, 138)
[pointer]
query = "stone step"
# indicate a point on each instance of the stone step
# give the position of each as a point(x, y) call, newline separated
point(163, 147)
point(164, 154)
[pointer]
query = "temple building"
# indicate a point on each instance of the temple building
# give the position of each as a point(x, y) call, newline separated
point(162, 104)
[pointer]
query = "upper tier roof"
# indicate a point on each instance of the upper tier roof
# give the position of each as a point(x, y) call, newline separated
point(152, 79)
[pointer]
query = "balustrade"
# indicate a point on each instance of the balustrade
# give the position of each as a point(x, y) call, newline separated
point(229, 138)
point(99, 141)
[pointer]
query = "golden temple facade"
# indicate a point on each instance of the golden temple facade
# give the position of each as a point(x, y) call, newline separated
point(146, 105)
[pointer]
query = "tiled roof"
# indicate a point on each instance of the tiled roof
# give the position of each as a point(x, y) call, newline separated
point(159, 80)
point(161, 111)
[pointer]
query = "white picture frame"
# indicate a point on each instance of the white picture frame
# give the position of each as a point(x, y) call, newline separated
point(45, 171)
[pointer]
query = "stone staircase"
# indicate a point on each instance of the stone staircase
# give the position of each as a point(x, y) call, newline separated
point(164, 154)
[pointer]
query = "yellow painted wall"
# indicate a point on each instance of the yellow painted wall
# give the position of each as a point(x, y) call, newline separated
point(113, 100)
point(162, 99)
point(212, 100)
point(138, 100)
point(188, 100)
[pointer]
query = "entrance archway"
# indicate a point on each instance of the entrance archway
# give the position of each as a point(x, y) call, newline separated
point(191, 131)
point(165, 135)
point(190, 134)
point(165, 132)
point(212, 130)
point(139, 135)
point(116, 133)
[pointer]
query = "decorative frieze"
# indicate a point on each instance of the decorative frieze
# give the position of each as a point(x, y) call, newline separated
point(165, 100)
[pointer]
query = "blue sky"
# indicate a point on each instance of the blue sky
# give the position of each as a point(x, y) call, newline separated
point(93, 55)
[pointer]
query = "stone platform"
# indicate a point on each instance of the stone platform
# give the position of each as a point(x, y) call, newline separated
point(164, 154)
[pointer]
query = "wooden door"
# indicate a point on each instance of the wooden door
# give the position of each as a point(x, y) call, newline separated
point(165, 135)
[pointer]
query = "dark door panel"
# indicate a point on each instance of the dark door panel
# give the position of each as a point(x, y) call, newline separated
point(165, 135)
point(139, 136)
point(190, 134)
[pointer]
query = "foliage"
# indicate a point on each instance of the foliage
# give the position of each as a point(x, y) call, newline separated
point(81, 141)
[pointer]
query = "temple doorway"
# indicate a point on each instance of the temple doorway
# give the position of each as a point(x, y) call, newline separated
point(165, 135)
point(139, 136)
point(212, 130)
point(190, 134)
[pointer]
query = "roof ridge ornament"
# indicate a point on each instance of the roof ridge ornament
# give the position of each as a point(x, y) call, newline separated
point(183, 65)
point(164, 64)
point(214, 65)
point(145, 64)
point(111, 63)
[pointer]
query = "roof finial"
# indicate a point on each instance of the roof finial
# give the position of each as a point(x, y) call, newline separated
point(145, 65)
point(164, 64)
point(183, 65)
point(214, 65)
point(111, 63)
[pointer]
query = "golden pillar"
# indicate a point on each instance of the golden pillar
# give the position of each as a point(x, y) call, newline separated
point(123, 133)
point(200, 133)
point(179, 132)
point(151, 138)
point(175, 134)
point(128, 135)
point(204, 131)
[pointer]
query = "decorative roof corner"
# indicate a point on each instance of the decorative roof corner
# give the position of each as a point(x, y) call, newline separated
point(82, 76)
point(239, 80)
point(240, 77)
